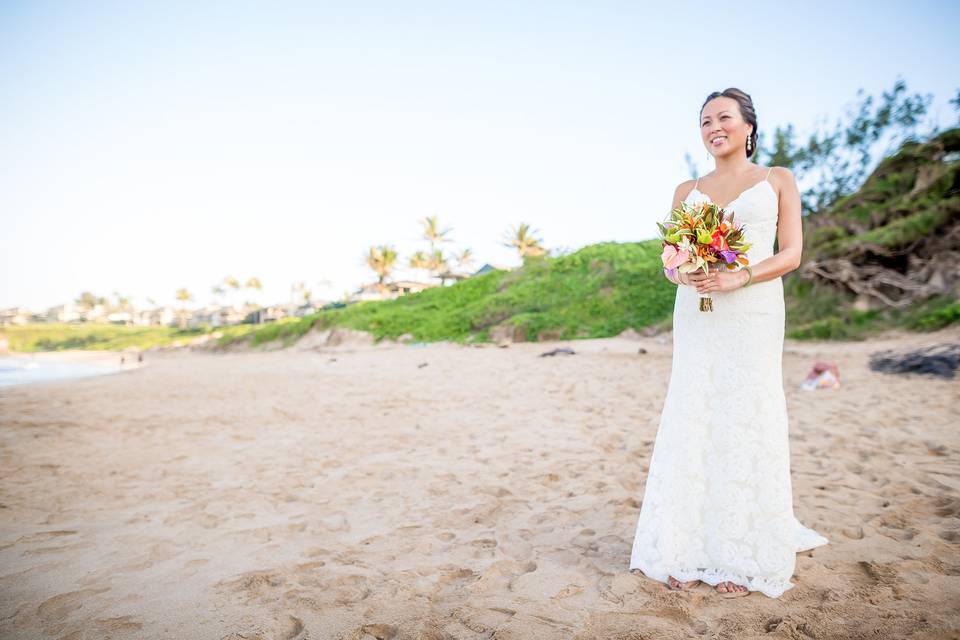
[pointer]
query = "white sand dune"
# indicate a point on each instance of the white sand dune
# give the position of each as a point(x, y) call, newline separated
point(448, 492)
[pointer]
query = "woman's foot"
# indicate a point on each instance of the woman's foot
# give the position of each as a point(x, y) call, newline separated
point(731, 588)
point(676, 584)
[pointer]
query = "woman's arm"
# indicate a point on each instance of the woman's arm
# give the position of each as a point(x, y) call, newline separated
point(789, 231)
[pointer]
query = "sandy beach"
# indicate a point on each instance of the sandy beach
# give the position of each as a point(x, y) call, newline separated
point(445, 492)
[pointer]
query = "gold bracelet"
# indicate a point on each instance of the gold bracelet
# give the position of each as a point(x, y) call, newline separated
point(749, 274)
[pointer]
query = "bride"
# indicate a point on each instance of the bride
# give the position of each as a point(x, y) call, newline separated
point(718, 503)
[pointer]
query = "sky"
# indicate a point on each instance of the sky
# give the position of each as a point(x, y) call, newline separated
point(149, 146)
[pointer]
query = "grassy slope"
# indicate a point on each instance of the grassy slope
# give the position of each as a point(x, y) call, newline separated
point(906, 207)
point(93, 337)
point(598, 291)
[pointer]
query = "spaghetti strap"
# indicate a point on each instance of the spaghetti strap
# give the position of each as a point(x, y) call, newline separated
point(698, 183)
point(768, 173)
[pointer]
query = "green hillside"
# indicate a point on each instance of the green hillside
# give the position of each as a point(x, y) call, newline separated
point(94, 337)
point(886, 255)
point(598, 291)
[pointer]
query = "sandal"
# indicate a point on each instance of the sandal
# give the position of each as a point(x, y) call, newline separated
point(732, 594)
point(693, 584)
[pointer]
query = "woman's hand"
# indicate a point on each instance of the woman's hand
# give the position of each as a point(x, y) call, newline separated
point(718, 279)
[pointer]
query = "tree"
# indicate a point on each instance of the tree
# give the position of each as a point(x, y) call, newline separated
point(183, 296)
point(836, 163)
point(122, 302)
point(253, 283)
point(431, 231)
point(382, 260)
point(88, 301)
point(464, 258)
point(438, 265)
point(521, 238)
point(420, 260)
point(435, 261)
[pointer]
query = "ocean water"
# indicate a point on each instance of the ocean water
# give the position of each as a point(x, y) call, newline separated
point(23, 370)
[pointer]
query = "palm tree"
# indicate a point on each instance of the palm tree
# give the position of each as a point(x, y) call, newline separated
point(382, 260)
point(420, 261)
point(464, 258)
point(232, 283)
point(122, 302)
point(431, 231)
point(299, 290)
point(253, 283)
point(438, 265)
point(521, 238)
point(87, 300)
point(184, 297)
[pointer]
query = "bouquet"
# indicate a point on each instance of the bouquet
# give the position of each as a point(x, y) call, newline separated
point(695, 236)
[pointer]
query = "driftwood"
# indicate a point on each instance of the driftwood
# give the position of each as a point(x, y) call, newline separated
point(897, 239)
point(926, 277)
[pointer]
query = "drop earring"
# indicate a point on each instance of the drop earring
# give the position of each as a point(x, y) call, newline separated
point(748, 144)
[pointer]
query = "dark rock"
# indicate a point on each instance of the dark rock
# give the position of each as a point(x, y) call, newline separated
point(939, 360)
point(566, 350)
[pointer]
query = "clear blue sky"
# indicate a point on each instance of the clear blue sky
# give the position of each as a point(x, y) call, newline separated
point(150, 146)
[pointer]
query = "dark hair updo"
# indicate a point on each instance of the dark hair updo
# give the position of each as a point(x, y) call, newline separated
point(746, 110)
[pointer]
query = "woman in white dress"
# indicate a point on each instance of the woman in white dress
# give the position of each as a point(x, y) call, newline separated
point(718, 502)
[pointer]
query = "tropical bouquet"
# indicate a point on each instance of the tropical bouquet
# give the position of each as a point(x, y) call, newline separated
point(697, 235)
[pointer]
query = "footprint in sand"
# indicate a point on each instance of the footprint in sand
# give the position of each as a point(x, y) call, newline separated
point(877, 573)
point(500, 576)
point(44, 536)
point(120, 623)
point(350, 589)
point(378, 631)
point(288, 628)
point(950, 535)
point(452, 584)
point(284, 627)
point(484, 543)
point(483, 621)
point(57, 608)
point(947, 507)
point(854, 533)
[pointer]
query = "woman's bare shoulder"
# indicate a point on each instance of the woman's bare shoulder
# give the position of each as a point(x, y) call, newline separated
point(780, 178)
point(780, 174)
point(683, 190)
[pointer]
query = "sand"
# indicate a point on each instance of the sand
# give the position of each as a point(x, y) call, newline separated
point(440, 491)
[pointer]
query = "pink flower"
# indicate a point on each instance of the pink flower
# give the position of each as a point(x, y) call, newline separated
point(673, 257)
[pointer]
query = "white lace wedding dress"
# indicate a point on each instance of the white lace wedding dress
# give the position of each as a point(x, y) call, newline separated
point(718, 502)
